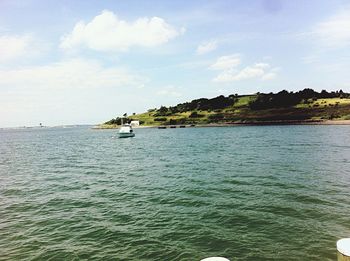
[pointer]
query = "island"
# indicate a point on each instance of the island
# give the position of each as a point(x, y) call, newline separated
point(303, 107)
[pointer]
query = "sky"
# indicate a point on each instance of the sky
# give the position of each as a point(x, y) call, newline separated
point(85, 62)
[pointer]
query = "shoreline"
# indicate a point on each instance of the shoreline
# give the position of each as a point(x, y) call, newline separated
point(230, 124)
point(295, 122)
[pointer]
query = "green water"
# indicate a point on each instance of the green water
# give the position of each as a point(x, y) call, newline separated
point(246, 193)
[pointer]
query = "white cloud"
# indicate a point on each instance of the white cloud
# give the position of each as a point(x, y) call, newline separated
point(76, 73)
point(335, 32)
point(226, 62)
point(310, 59)
point(206, 47)
point(106, 32)
point(269, 76)
point(262, 65)
point(246, 73)
point(260, 71)
point(170, 91)
point(14, 47)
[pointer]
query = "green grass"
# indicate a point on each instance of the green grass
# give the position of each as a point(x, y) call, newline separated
point(243, 101)
point(324, 103)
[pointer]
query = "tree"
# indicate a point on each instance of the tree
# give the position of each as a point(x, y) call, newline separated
point(162, 111)
point(195, 114)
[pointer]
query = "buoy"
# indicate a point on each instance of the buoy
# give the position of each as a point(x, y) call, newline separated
point(343, 247)
point(215, 258)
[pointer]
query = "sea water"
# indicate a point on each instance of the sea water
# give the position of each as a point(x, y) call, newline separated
point(246, 193)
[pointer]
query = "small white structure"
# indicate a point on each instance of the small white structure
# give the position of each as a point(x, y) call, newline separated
point(135, 123)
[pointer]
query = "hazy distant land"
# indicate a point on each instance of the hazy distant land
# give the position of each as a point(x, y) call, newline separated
point(303, 107)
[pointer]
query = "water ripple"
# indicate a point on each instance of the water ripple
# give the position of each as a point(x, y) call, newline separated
point(247, 193)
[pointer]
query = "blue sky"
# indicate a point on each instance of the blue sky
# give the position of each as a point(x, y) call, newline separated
point(76, 62)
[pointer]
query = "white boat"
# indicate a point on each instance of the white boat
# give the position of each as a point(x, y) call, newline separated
point(126, 131)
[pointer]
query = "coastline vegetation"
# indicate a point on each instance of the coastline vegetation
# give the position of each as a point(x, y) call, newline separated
point(284, 106)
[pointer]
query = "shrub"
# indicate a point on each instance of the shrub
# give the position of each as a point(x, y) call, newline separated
point(163, 111)
point(216, 117)
point(177, 121)
point(333, 116)
point(160, 119)
point(195, 115)
point(172, 122)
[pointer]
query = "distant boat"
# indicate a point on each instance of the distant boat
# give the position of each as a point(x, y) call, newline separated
point(126, 131)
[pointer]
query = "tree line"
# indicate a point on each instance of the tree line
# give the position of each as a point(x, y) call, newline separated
point(202, 104)
point(284, 99)
point(281, 99)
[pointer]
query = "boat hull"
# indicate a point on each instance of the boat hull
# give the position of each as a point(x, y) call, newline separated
point(126, 135)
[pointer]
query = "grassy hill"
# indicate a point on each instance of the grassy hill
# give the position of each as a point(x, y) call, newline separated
point(305, 105)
